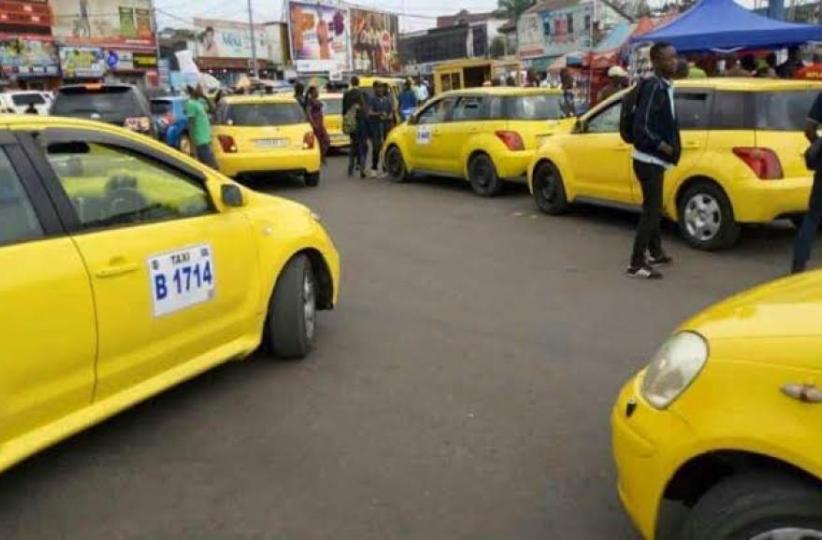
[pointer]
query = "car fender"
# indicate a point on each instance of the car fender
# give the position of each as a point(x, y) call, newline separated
point(712, 166)
point(486, 143)
point(397, 138)
point(554, 152)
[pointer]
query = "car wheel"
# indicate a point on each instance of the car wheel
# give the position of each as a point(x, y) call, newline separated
point(549, 190)
point(761, 505)
point(483, 176)
point(312, 179)
point(395, 165)
point(292, 311)
point(186, 146)
point(706, 219)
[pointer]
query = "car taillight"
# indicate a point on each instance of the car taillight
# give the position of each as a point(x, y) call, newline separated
point(138, 123)
point(227, 144)
point(763, 162)
point(308, 141)
point(511, 139)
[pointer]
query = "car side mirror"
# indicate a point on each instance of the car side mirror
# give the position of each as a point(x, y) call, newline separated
point(231, 195)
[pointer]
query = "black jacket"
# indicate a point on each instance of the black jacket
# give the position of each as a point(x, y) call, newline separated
point(654, 122)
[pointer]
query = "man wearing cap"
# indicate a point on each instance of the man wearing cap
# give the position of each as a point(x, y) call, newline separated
point(617, 81)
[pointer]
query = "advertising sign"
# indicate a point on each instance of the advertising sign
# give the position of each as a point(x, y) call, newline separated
point(120, 60)
point(103, 22)
point(82, 62)
point(229, 39)
point(568, 29)
point(319, 37)
point(28, 57)
point(531, 35)
point(374, 41)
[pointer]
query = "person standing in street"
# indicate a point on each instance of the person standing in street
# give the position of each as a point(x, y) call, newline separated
point(657, 148)
point(354, 103)
point(811, 221)
point(200, 126)
point(408, 101)
point(422, 91)
point(314, 109)
point(379, 115)
point(617, 81)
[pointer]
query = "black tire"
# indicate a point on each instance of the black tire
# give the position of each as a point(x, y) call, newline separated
point(750, 504)
point(706, 218)
point(395, 165)
point(549, 190)
point(312, 179)
point(291, 322)
point(483, 176)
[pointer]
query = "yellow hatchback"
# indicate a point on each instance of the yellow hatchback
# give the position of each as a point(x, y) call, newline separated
point(261, 135)
point(333, 120)
point(129, 267)
point(483, 135)
point(725, 422)
point(742, 162)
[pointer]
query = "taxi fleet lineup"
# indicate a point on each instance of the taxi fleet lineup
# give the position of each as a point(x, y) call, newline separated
point(155, 251)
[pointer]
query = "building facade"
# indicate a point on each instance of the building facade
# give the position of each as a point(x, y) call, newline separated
point(28, 54)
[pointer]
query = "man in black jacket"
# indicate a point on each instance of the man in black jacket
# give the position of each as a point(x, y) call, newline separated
point(656, 148)
point(355, 97)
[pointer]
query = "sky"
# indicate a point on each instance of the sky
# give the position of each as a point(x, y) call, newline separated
point(422, 13)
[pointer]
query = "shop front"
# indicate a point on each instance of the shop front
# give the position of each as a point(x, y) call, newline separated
point(31, 61)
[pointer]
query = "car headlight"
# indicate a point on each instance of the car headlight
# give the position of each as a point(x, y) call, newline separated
point(674, 368)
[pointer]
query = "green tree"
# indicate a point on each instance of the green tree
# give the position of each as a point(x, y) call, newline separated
point(512, 9)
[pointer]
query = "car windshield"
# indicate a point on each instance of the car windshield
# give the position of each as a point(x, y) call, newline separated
point(161, 106)
point(536, 107)
point(21, 100)
point(121, 102)
point(332, 106)
point(264, 114)
point(784, 111)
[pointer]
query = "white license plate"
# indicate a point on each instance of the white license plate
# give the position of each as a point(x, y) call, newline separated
point(271, 143)
point(181, 279)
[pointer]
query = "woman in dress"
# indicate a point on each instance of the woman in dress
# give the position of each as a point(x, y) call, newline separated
point(314, 108)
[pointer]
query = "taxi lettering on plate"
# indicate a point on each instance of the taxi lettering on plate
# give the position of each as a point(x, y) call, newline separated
point(181, 279)
point(423, 135)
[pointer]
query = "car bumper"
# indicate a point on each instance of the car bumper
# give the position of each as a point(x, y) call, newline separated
point(642, 448)
point(513, 165)
point(763, 201)
point(339, 139)
point(256, 162)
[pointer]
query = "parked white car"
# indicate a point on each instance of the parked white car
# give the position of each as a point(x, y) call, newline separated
point(18, 101)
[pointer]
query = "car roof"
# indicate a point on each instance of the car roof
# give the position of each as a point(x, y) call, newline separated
point(503, 91)
point(20, 92)
point(271, 98)
point(749, 84)
point(94, 86)
point(169, 98)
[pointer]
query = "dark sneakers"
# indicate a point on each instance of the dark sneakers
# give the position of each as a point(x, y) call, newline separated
point(643, 272)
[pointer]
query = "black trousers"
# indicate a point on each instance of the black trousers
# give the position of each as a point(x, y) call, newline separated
point(648, 234)
point(810, 224)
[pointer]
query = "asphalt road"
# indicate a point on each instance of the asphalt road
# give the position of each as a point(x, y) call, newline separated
point(461, 390)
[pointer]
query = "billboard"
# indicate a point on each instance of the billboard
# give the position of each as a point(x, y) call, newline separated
point(531, 35)
point(568, 29)
point(374, 41)
point(28, 57)
point(319, 37)
point(82, 62)
point(103, 22)
point(229, 39)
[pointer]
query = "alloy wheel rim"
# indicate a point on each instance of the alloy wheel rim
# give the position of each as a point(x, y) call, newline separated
point(309, 305)
point(790, 533)
point(703, 217)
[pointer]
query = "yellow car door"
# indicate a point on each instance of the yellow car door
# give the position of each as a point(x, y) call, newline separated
point(175, 278)
point(427, 136)
point(466, 122)
point(693, 107)
point(608, 175)
point(47, 315)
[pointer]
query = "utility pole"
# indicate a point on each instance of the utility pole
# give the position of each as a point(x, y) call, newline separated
point(253, 41)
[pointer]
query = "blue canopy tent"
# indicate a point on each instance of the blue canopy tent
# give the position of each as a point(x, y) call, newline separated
point(724, 25)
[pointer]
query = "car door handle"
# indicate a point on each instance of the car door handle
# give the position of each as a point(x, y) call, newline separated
point(116, 270)
point(806, 393)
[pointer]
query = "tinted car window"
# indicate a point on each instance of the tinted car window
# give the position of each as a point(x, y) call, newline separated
point(332, 106)
point(692, 110)
point(27, 99)
point(436, 112)
point(783, 111)
point(536, 107)
point(732, 110)
point(467, 109)
point(18, 222)
point(264, 114)
point(161, 106)
point(606, 121)
point(112, 104)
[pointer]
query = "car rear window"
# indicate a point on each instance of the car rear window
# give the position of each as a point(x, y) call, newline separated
point(21, 100)
point(116, 102)
point(161, 106)
point(264, 114)
point(536, 107)
point(783, 111)
point(332, 106)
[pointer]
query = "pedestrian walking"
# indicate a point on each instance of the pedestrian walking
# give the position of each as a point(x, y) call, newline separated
point(314, 108)
point(200, 126)
point(354, 125)
point(379, 117)
point(811, 221)
point(408, 101)
point(656, 149)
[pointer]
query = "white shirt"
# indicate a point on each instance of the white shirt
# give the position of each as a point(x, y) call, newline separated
point(648, 158)
point(422, 93)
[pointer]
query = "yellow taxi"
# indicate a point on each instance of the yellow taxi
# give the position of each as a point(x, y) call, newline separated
point(129, 267)
point(261, 135)
point(484, 135)
point(333, 120)
point(726, 422)
point(742, 162)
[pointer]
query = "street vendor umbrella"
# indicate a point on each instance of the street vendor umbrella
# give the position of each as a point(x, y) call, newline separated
point(724, 25)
